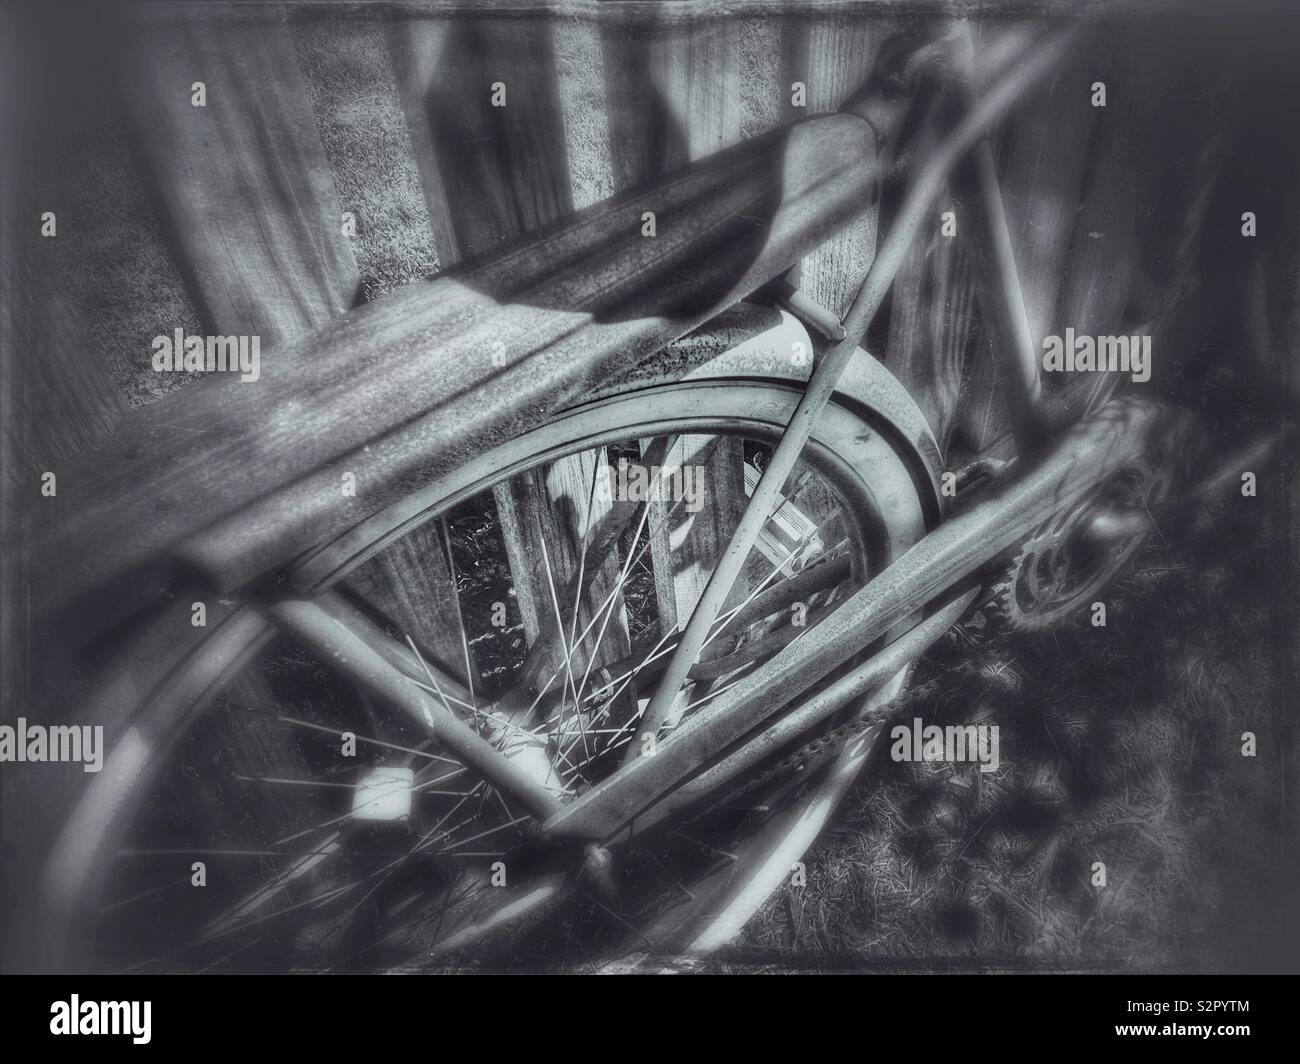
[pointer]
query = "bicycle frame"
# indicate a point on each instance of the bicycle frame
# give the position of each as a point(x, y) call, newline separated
point(620, 806)
point(1060, 472)
point(474, 385)
point(956, 549)
point(259, 533)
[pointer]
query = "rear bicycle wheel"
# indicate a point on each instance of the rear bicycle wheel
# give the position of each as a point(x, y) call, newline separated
point(264, 810)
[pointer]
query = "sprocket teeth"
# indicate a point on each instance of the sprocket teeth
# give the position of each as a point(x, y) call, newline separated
point(1053, 609)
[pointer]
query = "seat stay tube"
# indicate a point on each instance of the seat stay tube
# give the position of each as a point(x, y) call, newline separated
point(968, 133)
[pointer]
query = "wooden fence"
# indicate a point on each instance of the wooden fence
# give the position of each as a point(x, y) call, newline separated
point(597, 98)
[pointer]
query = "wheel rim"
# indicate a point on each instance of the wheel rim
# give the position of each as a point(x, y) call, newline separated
point(898, 522)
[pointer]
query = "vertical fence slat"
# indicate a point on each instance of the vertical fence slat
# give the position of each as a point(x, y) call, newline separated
point(243, 190)
point(411, 582)
point(248, 201)
point(1043, 148)
point(242, 184)
point(832, 56)
point(673, 94)
point(491, 173)
point(930, 318)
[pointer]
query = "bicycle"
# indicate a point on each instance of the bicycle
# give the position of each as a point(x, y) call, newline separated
point(584, 346)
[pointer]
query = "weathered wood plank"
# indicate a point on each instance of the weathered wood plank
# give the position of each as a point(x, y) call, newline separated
point(545, 519)
point(242, 184)
point(931, 313)
point(832, 55)
point(674, 95)
point(483, 102)
point(248, 200)
point(586, 298)
point(410, 581)
point(668, 12)
point(490, 172)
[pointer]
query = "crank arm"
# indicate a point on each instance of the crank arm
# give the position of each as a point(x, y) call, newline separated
point(1082, 457)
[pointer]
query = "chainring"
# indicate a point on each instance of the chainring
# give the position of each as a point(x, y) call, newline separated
point(1064, 565)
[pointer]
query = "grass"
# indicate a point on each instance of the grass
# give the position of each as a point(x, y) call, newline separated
point(1120, 745)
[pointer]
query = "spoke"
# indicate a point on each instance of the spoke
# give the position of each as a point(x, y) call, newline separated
point(336, 643)
point(826, 573)
point(605, 539)
point(440, 779)
point(304, 864)
point(434, 683)
point(556, 673)
point(323, 824)
point(567, 648)
point(763, 646)
point(660, 650)
point(621, 681)
point(460, 618)
point(582, 556)
point(708, 697)
point(626, 679)
point(445, 698)
point(424, 840)
point(506, 808)
point(448, 903)
point(279, 914)
point(481, 834)
point(392, 651)
point(725, 619)
point(361, 738)
point(382, 874)
point(145, 894)
point(819, 582)
point(660, 706)
point(611, 598)
point(608, 532)
point(931, 178)
point(608, 607)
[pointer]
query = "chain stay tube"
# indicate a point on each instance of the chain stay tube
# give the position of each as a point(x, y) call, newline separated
point(868, 676)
